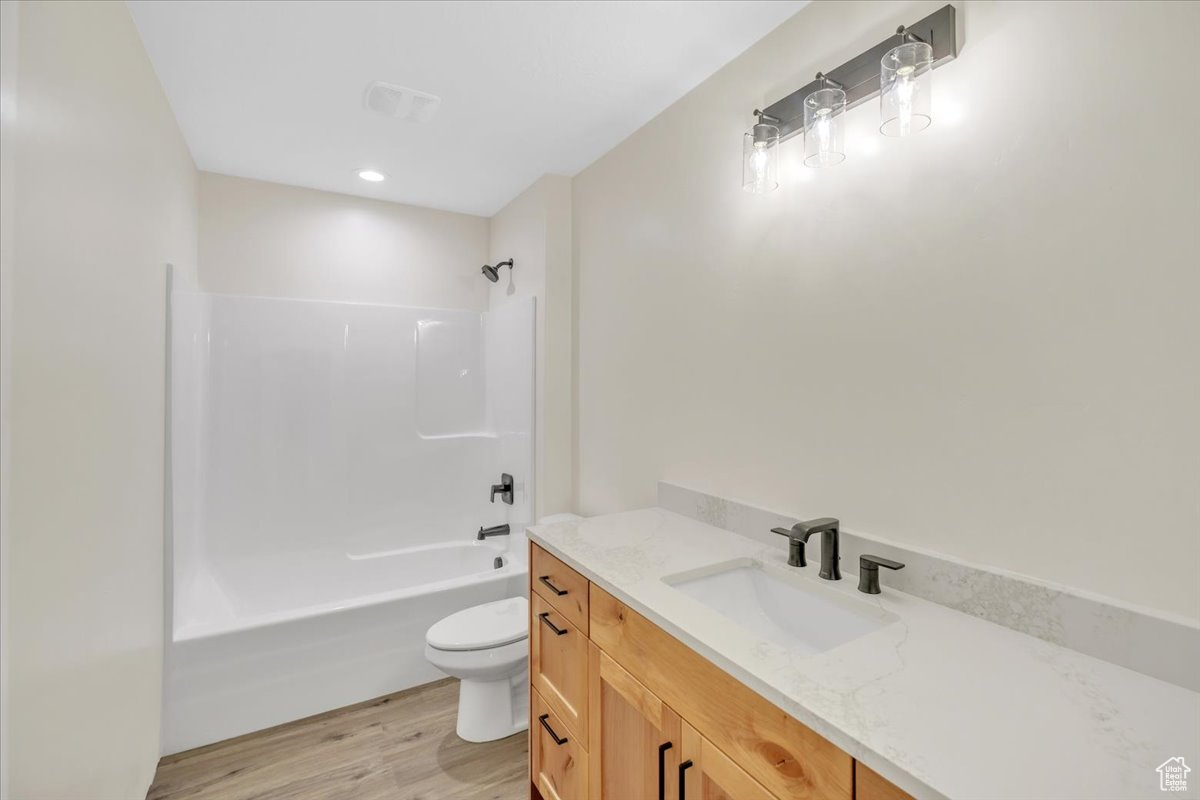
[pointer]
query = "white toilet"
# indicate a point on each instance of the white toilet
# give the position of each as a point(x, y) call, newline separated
point(487, 648)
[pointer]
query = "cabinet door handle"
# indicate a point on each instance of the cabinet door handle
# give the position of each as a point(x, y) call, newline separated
point(545, 617)
point(558, 740)
point(684, 767)
point(662, 777)
point(546, 580)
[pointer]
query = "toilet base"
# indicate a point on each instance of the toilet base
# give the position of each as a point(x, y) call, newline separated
point(490, 710)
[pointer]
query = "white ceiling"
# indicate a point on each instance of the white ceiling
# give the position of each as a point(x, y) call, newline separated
point(273, 90)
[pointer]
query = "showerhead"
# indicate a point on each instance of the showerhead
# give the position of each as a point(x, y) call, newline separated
point(493, 273)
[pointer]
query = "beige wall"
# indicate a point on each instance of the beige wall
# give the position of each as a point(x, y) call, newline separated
point(9, 45)
point(104, 198)
point(980, 341)
point(271, 240)
point(535, 231)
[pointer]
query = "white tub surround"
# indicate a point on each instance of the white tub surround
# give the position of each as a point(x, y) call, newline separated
point(939, 702)
point(1157, 644)
point(331, 464)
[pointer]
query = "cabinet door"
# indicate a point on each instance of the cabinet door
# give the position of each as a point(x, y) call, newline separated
point(870, 785)
point(709, 774)
point(634, 741)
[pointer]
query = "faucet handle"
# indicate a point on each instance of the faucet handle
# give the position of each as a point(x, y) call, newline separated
point(868, 572)
point(504, 488)
point(795, 546)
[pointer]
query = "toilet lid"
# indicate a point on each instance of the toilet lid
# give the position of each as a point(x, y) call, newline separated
point(482, 627)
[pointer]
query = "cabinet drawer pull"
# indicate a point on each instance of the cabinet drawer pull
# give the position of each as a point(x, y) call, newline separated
point(546, 580)
point(662, 782)
point(545, 617)
point(558, 740)
point(684, 767)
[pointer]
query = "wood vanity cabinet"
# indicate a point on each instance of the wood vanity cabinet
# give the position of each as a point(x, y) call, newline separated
point(621, 710)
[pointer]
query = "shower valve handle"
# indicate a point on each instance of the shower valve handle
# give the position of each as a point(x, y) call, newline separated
point(504, 488)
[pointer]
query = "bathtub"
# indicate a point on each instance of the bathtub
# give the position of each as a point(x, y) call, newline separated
point(259, 641)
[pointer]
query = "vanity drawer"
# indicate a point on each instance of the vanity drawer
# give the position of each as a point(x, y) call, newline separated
point(786, 758)
point(561, 586)
point(558, 759)
point(558, 664)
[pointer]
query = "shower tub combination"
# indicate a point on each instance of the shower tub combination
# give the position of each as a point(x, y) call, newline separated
point(330, 467)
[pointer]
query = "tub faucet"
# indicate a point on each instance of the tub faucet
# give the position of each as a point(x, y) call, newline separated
point(798, 537)
point(495, 530)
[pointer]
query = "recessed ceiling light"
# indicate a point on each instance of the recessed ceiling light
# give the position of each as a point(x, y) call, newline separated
point(372, 175)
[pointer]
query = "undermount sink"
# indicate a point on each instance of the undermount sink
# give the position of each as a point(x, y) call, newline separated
point(788, 610)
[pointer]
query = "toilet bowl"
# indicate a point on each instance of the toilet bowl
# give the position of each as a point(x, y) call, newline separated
point(487, 648)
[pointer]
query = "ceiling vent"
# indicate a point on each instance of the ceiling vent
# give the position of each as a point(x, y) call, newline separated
point(396, 101)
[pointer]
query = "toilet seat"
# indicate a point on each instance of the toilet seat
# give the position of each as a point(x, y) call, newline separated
point(482, 627)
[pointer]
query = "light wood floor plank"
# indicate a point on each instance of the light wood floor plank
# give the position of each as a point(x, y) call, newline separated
point(399, 747)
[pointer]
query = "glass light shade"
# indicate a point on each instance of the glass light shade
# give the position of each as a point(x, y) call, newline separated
point(760, 159)
point(823, 135)
point(905, 89)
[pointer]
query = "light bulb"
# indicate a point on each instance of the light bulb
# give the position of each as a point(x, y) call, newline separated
point(761, 160)
point(823, 134)
point(904, 99)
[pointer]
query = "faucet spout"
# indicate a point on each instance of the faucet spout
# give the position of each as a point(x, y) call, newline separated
point(798, 535)
point(495, 530)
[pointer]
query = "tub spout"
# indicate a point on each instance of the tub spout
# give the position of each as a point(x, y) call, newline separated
point(495, 530)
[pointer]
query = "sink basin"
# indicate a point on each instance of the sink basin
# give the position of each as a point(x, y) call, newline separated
point(788, 610)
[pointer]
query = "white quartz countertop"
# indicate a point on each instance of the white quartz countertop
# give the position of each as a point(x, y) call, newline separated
point(941, 703)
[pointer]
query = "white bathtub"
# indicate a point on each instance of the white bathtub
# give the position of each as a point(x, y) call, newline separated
point(264, 640)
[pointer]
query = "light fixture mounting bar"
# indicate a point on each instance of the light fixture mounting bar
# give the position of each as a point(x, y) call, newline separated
point(860, 75)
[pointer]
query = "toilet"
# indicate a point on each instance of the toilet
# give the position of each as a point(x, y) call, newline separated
point(487, 648)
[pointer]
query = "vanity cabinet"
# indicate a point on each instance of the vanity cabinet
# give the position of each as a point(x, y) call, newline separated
point(621, 710)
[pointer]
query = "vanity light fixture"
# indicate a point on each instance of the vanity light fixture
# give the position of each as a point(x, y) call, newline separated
point(372, 175)
point(897, 70)
point(760, 156)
